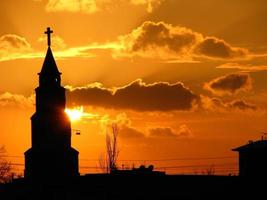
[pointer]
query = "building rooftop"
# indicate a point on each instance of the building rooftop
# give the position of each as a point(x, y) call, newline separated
point(253, 145)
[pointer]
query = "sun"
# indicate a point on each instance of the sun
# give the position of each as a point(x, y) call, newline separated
point(75, 114)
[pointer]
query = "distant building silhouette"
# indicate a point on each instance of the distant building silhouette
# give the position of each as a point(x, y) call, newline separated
point(253, 158)
point(51, 154)
point(141, 171)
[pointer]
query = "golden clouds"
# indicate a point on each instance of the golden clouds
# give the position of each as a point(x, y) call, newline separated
point(12, 41)
point(92, 6)
point(12, 45)
point(229, 84)
point(151, 4)
point(139, 96)
point(86, 6)
point(9, 99)
point(57, 42)
point(167, 41)
point(150, 40)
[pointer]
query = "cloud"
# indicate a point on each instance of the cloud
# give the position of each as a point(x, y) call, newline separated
point(151, 39)
point(85, 6)
point(167, 41)
point(57, 42)
point(139, 96)
point(243, 68)
point(218, 105)
point(12, 45)
point(10, 50)
point(9, 99)
point(150, 4)
point(229, 84)
point(214, 47)
point(182, 132)
point(160, 39)
point(127, 131)
point(92, 6)
point(242, 105)
point(12, 41)
point(124, 125)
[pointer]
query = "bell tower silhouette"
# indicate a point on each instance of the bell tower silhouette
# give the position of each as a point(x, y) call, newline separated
point(51, 154)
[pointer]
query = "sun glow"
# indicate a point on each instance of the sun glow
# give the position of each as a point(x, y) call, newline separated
point(77, 113)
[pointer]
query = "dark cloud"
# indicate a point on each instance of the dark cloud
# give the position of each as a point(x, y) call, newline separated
point(230, 84)
point(159, 96)
point(165, 40)
point(214, 47)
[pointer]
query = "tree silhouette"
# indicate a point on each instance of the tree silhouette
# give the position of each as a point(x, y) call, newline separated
point(108, 161)
point(210, 171)
point(102, 162)
point(5, 167)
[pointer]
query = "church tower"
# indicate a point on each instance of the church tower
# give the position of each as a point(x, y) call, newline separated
point(51, 154)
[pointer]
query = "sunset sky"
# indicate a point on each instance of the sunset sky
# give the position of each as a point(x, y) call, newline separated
point(184, 80)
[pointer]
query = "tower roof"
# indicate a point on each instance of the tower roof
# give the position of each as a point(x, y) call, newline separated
point(49, 65)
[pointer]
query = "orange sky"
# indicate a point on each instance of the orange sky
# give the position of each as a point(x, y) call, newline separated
point(181, 78)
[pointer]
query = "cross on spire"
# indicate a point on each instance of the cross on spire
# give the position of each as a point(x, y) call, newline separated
point(48, 32)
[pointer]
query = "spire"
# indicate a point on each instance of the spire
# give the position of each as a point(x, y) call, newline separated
point(49, 66)
point(49, 75)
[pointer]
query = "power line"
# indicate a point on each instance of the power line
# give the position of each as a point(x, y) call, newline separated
point(8, 156)
point(151, 160)
point(191, 166)
point(225, 168)
point(17, 164)
point(170, 159)
point(161, 167)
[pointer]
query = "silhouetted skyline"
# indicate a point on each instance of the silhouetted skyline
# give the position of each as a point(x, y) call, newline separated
point(185, 81)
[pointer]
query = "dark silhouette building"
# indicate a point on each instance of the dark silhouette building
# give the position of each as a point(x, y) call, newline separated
point(51, 154)
point(140, 171)
point(253, 158)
